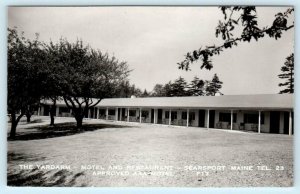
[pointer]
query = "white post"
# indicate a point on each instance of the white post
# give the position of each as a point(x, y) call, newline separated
point(97, 109)
point(140, 115)
point(89, 113)
point(187, 117)
point(170, 117)
point(150, 113)
point(207, 118)
point(259, 119)
point(154, 119)
point(127, 114)
point(231, 120)
point(57, 111)
point(106, 113)
point(116, 114)
point(42, 111)
point(39, 111)
point(290, 123)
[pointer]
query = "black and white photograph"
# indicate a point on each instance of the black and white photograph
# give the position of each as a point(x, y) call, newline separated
point(150, 96)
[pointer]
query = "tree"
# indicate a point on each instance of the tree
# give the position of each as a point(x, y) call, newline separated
point(126, 90)
point(158, 91)
point(196, 87)
point(23, 61)
point(145, 94)
point(213, 86)
point(51, 84)
point(86, 76)
point(236, 18)
point(178, 88)
point(287, 73)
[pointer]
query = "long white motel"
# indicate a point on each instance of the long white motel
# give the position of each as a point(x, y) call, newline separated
point(263, 113)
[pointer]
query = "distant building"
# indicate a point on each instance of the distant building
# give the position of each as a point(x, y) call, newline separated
point(263, 113)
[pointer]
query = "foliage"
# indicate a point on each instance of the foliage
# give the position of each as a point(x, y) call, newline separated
point(288, 75)
point(237, 18)
point(126, 90)
point(158, 90)
point(24, 60)
point(178, 87)
point(86, 76)
point(197, 87)
point(213, 87)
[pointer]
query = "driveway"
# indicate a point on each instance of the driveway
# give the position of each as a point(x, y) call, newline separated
point(153, 155)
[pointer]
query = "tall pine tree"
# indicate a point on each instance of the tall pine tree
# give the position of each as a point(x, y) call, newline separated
point(196, 87)
point(213, 87)
point(288, 75)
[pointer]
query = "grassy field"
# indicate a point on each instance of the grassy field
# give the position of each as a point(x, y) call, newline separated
point(134, 155)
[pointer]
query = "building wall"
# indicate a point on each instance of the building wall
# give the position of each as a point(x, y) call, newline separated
point(265, 127)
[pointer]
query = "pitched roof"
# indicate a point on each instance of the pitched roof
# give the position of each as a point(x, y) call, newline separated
point(258, 101)
point(255, 101)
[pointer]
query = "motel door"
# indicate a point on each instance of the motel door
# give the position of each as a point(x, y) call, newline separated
point(211, 119)
point(159, 116)
point(152, 115)
point(201, 118)
point(274, 121)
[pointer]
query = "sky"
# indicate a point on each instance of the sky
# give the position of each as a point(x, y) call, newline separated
point(152, 40)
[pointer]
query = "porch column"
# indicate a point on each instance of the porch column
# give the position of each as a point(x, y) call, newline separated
point(89, 113)
point(170, 117)
point(127, 114)
point(231, 119)
point(290, 123)
point(39, 111)
point(207, 119)
point(187, 117)
point(42, 111)
point(259, 119)
point(154, 119)
point(116, 114)
point(57, 111)
point(106, 113)
point(97, 109)
point(150, 114)
point(140, 115)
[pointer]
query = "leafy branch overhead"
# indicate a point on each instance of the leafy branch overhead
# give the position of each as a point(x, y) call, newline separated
point(241, 20)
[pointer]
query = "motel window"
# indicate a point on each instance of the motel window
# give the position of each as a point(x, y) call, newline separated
point(145, 114)
point(102, 111)
point(132, 113)
point(184, 115)
point(63, 109)
point(192, 116)
point(167, 114)
point(226, 117)
point(253, 118)
point(174, 115)
point(111, 112)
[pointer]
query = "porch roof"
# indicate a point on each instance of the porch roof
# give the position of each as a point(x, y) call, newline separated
point(258, 101)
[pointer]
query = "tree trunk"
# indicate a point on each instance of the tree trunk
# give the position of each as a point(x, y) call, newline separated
point(79, 121)
point(13, 126)
point(28, 117)
point(51, 120)
point(52, 114)
point(14, 122)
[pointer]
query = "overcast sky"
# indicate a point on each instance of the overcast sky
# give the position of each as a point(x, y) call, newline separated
point(153, 39)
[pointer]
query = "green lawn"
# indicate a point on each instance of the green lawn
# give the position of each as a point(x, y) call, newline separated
point(139, 152)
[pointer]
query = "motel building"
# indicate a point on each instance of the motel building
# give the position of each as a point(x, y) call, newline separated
point(263, 113)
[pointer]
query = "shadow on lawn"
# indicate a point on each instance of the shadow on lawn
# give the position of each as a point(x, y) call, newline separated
point(59, 130)
point(40, 178)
